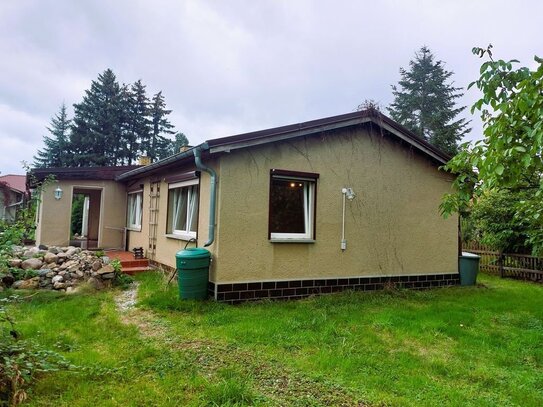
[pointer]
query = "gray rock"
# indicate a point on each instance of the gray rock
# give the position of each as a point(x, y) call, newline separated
point(53, 250)
point(72, 251)
point(105, 260)
point(50, 258)
point(51, 274)
point(42, 247)
point(96, 265)
point(106, 270)
point(31, 252)
point(15, 263)
point(61, 257)
point(80, 273)
point(32, 264)
point(95, 283)
point(57, 279)
point(107, 276)
point(44, 272)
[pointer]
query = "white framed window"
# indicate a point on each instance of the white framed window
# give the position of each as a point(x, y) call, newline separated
point(292, 206)
point(135, 209)
point(183, 209)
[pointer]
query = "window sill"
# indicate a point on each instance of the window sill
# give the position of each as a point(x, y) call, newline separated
point(133, 229)
point(292, 240)
point(180, 237)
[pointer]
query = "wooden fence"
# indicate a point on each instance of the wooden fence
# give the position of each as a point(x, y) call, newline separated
point(521, 266)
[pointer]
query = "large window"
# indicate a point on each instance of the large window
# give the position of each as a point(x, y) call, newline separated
point(183, 209)
point(135, 204)
point(292, 205)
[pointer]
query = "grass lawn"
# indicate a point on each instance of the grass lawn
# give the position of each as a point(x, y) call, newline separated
point(452, 346)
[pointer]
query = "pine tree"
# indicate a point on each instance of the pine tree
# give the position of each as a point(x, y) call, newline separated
point(96, 130)
point(56, 152)
point(180, 141)
point(425, 102)
point(159, 145)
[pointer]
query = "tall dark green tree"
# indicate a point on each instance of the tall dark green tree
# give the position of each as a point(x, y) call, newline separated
point(425, 102)
point(56, 152)
point(159, 144)
point(179, 141)
point(97, 124)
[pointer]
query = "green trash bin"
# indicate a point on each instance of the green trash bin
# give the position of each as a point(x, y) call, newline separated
point(193, 273)
point(469, 267)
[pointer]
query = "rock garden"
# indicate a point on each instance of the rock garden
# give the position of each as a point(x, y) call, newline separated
point(57, 268)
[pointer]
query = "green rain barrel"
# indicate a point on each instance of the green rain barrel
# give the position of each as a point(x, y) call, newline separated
point(469, 267)
point(193, 273)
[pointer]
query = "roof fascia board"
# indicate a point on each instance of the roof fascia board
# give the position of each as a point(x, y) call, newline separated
point(284, 136)
point(409, 140)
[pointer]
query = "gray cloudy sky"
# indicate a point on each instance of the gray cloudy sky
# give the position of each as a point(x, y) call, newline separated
point(227, 67)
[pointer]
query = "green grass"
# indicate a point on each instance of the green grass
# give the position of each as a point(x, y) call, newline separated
point(455, 346)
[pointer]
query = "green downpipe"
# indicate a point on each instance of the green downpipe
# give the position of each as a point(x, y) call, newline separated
point(213, 191)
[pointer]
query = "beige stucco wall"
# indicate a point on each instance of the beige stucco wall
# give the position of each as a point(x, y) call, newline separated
point(167, 246)
point(393, 226)
point(53, 226)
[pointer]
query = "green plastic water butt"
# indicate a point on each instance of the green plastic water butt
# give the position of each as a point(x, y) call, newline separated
point(469, 267)
point(193, 273)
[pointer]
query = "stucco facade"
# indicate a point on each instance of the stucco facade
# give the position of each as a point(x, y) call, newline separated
point(393, 228)
point(107, 214)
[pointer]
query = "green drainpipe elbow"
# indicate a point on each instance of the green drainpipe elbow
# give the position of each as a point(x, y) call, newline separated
point(213, 193)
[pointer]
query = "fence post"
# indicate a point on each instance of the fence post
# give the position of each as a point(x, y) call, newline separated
point(500, 263)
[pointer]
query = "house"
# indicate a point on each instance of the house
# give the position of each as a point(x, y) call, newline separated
point(12, 195)
point(349, 201)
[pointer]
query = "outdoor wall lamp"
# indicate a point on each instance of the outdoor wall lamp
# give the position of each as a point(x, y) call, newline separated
point(58, 193)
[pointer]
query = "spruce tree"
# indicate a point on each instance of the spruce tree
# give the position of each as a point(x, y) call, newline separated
point(159, 145)
point(57, 150)
point(425, 102)
point(96, 130)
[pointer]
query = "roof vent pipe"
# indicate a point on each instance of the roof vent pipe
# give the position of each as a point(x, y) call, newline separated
point(213, 193)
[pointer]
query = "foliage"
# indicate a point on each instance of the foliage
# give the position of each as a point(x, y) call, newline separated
point(21, 361)
point(56, 152)
point(509, 158)
point(425, 102)
point(121, 279)
point(112, 125)
point(77, 214)
point(492, 221)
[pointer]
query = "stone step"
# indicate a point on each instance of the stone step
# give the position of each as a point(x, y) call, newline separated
point(134, 270)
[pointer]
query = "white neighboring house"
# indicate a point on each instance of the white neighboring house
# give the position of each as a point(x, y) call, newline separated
point(12, 193)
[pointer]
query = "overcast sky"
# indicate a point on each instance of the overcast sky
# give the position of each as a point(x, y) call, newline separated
point(227, 67)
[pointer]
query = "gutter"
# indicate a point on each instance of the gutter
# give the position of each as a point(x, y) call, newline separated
point(213, 190)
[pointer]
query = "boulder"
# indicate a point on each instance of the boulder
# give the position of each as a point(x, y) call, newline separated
point(43, 272)
point(42, 247)
point(72, 251)
point(15, 263)
point(107, 276)
point(105, 270)
point(31, 252)
point(61, 257)
point(96, 265)
point(53, 250)
point(32, 264)
point(59, 285)
point(57, 279)
point(51, 274)
point(30, 284)
point(95, 283)
point(50, 257)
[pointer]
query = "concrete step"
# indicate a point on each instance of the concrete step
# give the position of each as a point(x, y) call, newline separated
point(135, 270)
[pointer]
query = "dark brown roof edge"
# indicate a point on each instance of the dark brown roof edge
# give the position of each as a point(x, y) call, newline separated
point(84, 173)
point(371, 114)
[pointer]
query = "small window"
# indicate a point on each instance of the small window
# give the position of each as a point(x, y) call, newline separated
point(135, 204)
point(292, 205)
point(183, 209)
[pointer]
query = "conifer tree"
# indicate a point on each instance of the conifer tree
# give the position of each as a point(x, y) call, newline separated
point(56, 152)
point(159, 145)
point(96, 130)
point(425, 102)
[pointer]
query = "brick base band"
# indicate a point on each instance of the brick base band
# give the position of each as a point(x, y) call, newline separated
point(292, 289)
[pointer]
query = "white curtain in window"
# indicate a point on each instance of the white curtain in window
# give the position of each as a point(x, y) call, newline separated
point(193, 208)
point(179, 209)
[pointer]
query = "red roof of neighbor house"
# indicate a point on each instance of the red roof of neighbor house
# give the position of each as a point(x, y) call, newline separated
point(17, 182)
